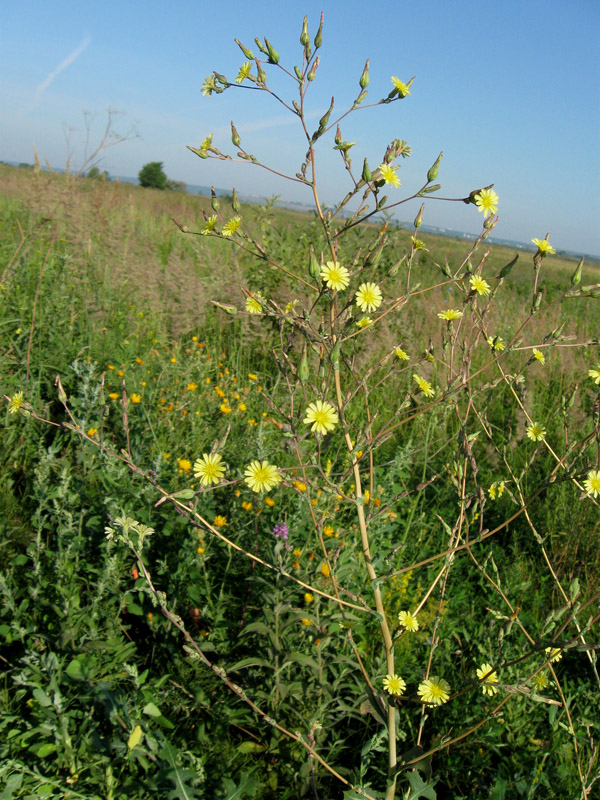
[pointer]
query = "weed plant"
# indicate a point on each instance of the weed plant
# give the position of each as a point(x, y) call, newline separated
point(339, 539)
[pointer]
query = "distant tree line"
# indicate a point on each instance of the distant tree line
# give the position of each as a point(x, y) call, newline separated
point(153, 176)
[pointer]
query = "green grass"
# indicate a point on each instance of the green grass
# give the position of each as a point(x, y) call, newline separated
point(100, 288)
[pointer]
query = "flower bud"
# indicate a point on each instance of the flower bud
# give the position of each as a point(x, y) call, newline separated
point(296, 107)
point(506, 269)
point(366, 172)
point(314, 267)
point(360, 97)
point(261, 47)
point(298, 73)
point(430, 189)
point(304, 37)
point(303, 369)
point(576, 276)
point(247, 53)
point(235, 137)
point(537, 302)
point(235, 201)
point(419, 217)
point(432, 174)
point(319, 35)
point(364, 78)
point(262, 78)
point(201, 153)
point(338, 135)
point(273, 54)
point(325, 118)
point(213, 199)
point(313, 69)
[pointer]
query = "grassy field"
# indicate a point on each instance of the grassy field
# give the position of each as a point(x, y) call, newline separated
point(103, 696)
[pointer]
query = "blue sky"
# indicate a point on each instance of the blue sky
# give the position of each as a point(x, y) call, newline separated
point(508, 90)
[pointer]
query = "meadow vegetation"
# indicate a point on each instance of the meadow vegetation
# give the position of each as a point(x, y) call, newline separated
point(400, 600)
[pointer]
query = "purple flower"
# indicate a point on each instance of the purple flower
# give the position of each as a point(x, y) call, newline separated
point(281, 531)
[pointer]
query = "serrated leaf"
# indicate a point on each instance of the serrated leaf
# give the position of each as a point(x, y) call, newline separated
point(418, 787)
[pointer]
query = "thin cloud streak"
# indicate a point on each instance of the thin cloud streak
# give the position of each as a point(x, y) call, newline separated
point(62, 66)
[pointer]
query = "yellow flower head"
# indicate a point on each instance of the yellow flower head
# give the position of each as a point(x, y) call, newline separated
point(424, 386)
point(335, 276)
point(322, 416)
point(434, 691)
point(394, 685)
point(401, 88)
point(209, 468)
point(539, 355)
point(488, 677)
point(496, 490)
point(553, 654)
point(243, 73)
point(543, 247)
point(401, 354)
point(261, 476)
point(495, 342)
point(487, 202)
point(231, 226)
point(592, 483)
point(388, 174)
point(309, 598)
point(184, 464)
point(220, 521)
point(408, 621)
point(136, 398)
point(15, 402)
point(479, 285)
point(536, 431)
point(594, 374)
point(254, 303)
point(368, 297)
point(450, 314)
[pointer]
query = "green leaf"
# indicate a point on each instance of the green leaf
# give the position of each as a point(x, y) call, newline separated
point(42, 698)
point(152, 710)
point(251, 747)
point(135, 737)
point(12, 785)
point(75, 670)
point(45, 750)
point(418, 788)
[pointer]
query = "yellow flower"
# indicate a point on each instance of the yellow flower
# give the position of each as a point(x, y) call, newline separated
point(450, 314)
point(368, 297)
point(496, 342)
point(335, 276)
point(92, 431)
point(544, 247)
point(309, 598)
point(200, 550)
point(15, 402)
point(139, 361)
point(191, 387)
point(247, 505)
point(225, 409)
point(418, 244)
point(364, 322)
point(243, 73)
point(241, 406)
point(209, 225)
point(220, 521)
point(252, 376)
point(206, 142)
point(269, 502)
point(594, 374)
point(487, 202)
point(261, 477)
point(253, 303)
point(592, 482)
point(209, 468)
point(328, 530)
point(434, 691)
point(231, 226)
point(113, 396)
point(539, 355)
point(394, 684)
point(299, 485)
point(136, 398)
point(553, 654)
point(488, 677)
point(540, 681)
point(402, 355)
point(496, 490)
point(401, 88)
point(297, 552)
point(305, 621)
point(408, 621)
point(322, 416)
point(325, 571)
point(184, 464)
point(110, 366)
point(424, 386)
point(388, 174)
point(536, 432)
point(479, 285)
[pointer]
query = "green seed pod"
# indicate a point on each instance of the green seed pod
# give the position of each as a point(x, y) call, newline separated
point(319, 35)
point(262, 77)
point(432, 174)
point(430, 189)
point(576, 277)
point(419, 217)
point(298, 73)
point(304, 37)
point(235, 137)
point(303, 370)
point(213, 199)
point(201, 153)
point(325, 118)
point(364, 78)
point(247, 53)
point(537, 302)
point(273, 54)
point(235, 202)
point(313, 70)
point(505, 271)
point(360, 97)
point(366, 172)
